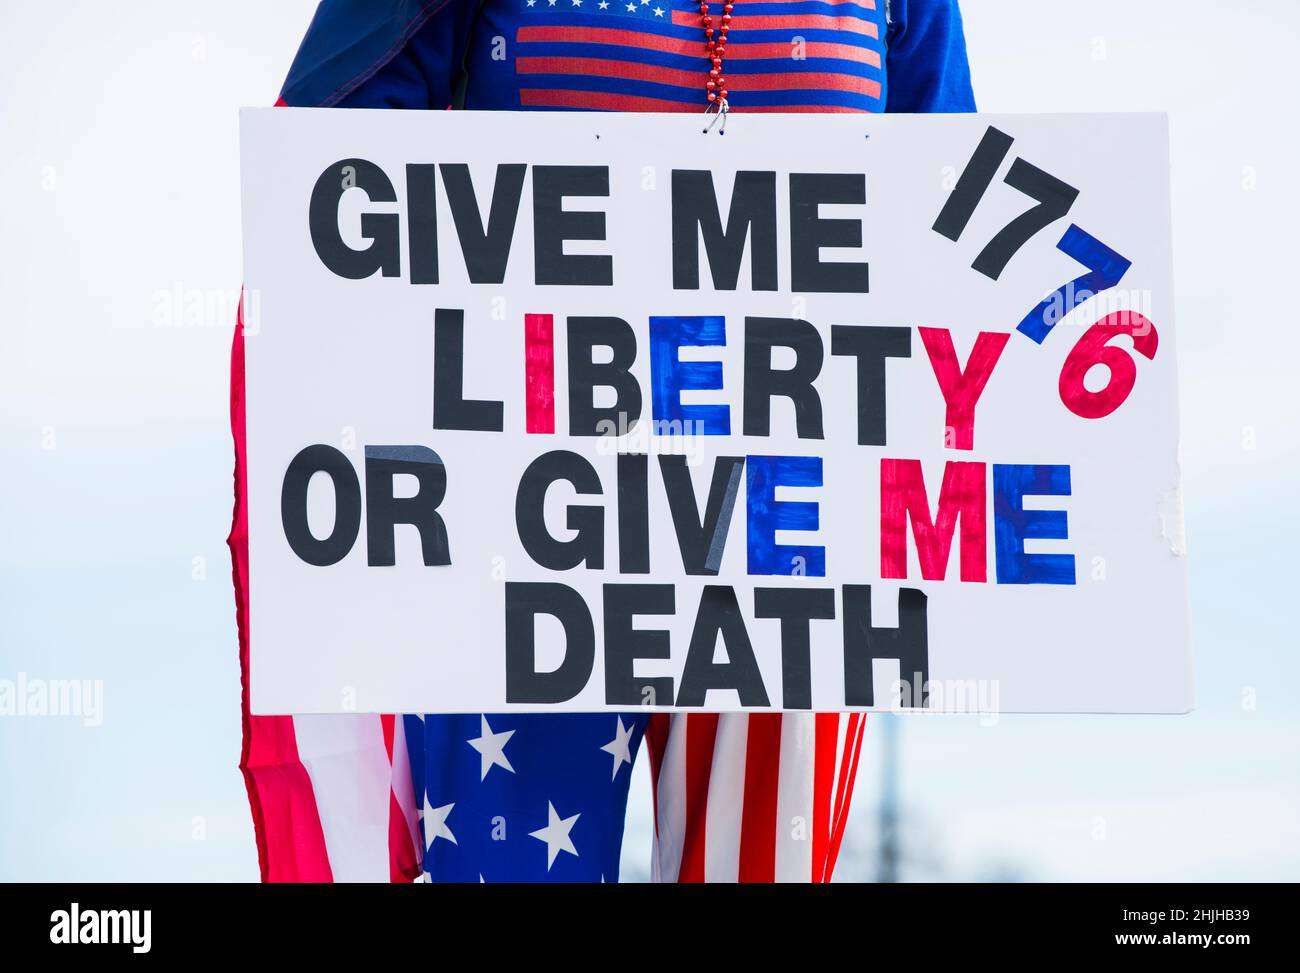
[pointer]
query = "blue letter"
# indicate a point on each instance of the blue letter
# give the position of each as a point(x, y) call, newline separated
point(669, 376)
point(1012, 524)
point(767, 515)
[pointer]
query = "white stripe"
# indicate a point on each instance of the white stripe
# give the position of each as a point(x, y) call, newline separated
point(841, 745)
point(351, 777)
point(726, 799)
point(404, 784)
point(794, 798)
point(854, 754)
point(671, 803)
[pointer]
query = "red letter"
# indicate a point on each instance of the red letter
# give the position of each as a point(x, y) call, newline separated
point(961, 388)
point(902, 495)
point(1092, 349)
point(539, 373)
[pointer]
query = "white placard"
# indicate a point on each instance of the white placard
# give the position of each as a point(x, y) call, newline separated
point(889, 304)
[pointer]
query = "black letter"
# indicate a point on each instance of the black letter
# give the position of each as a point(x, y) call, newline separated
point(625, 644)
point(347, 505)
point(796, 607)
point(720, 614)
point(384, 253)
point(974, 182)
point(695, 212)
point(552, 225)
point(809, 233)
point(701, 542)
point(587, 522)
point(422, 215)
point(385, 511)
point(486, 251)
point(451, 410)
point(762, 381)
point(871, 346)
point(863, 644)
point(1055, 197)
point(633, 513)
point(524, 602)
point(585, 419)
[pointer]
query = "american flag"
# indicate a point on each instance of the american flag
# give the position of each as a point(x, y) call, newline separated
point(649, 55)
point(758, 797)
point(523, 797)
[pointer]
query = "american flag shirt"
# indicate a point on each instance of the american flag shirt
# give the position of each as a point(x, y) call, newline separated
point(489, 797)
point(649, 55)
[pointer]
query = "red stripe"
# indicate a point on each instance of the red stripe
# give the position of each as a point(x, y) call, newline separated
point(701, 733)
point(758, 810)
point(610, 35)
point(803, 110)
point(539, 373)
point(744, 21)
point(656, 739)
point(842, 52)
point(825, 744)
point(286, 822)
point(850, 25)
point(599, 67)
point(602, 68)
point(805, 81)
point(850, 764)
point(601, 101)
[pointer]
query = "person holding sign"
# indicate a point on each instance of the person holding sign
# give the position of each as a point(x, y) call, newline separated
point(749, 797)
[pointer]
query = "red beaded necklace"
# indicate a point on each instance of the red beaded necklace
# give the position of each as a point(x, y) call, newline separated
point(716, 46)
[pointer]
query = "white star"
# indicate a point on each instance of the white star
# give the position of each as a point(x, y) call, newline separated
point(631, 8)
point(556, 835)
point(659, 11)
point(620, 747)
point(492, 748)
point(645, 3)
point(532, 3)
point(435, 822)
point(604, 4)
point(550, 3)
point(577, 3)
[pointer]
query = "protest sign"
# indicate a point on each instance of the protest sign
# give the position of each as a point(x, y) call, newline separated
point(583, 412)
